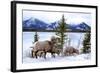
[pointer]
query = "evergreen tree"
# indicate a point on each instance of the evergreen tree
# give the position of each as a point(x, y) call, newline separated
point(86, 43)
point(36, 37)
point(61, 31)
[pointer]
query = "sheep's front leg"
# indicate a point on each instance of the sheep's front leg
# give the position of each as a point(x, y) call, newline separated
point(45, 55)
point(36, 54)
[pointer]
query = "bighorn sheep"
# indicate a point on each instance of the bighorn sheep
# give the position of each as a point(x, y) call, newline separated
point(44, 46)
point(70, 51)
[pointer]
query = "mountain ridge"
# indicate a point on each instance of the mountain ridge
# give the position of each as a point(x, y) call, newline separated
point(37, 24)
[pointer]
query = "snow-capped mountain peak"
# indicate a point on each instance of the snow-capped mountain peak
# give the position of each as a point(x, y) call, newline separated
point(53, 25)
point(34, 23)
point(83, 26)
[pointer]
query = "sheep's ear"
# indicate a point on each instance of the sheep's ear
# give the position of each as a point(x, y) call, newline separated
point(31, 47)
point(32, 42)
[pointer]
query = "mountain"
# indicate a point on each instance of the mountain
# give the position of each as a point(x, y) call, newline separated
point(52, 26)
point(80, 26)
point(34, 23)
point(83, 26)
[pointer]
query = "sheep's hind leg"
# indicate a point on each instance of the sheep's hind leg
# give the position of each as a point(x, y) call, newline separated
point(53, 55)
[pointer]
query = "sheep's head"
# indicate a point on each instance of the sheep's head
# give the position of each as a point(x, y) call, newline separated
point(53, 40)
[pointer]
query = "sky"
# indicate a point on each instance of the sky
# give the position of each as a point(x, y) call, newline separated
point(49, 17)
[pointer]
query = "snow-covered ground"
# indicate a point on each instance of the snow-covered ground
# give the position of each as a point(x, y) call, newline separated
point(81, 57)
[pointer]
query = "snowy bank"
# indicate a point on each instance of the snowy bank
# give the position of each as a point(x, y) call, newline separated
point(81, 57)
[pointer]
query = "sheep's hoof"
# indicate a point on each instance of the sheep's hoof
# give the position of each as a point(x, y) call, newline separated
point(36, 57)
point(53, 56)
